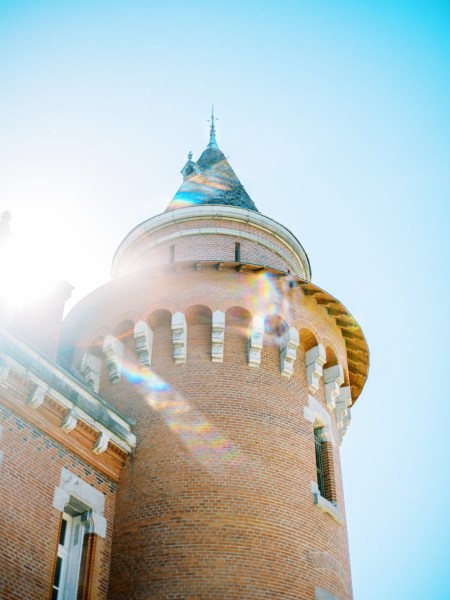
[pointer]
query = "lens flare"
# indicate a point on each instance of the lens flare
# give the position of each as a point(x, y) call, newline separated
point(200, 437)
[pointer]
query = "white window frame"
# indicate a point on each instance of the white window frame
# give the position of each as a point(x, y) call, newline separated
point(70, 554)
point(316, 414)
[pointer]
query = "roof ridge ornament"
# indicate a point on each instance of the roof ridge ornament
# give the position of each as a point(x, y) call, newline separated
point(212, 131)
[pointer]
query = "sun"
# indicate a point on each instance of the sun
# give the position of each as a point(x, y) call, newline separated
point(27, 273)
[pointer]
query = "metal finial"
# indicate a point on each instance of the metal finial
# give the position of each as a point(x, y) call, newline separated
point(190, 155)
point(212, 132)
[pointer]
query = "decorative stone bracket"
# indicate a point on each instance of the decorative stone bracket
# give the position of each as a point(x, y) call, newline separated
point(179, 337)
point(288, 351)
point(143, 339)
point(315, 359)
point(113, 351)
point(101, 444)
point(342, 411)
point(90, 368)
point(70, 421)
point(218, 336)
point(36, 398)
point(255, 342)
point(333, 378)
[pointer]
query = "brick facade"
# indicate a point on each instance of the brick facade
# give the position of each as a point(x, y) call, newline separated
point(185, 397)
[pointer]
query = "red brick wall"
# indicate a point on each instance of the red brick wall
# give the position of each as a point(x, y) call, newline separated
point(217, 501)
point(29, 525)
point(199, 246)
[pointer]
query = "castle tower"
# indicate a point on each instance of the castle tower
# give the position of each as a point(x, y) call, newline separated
point(239, 375)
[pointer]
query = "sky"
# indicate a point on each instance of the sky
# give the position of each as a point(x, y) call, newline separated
point(335, 116)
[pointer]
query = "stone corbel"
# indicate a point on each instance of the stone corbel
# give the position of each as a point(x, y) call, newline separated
point(255, 342)
point(346, 422)
point(70, 421)
point(218, 336)
point(113, 351)
point(143, 339)
point(333, 378)
point(315, 359)
point(288, 351)
point(90, 368)
point(179, 337)
point(36, 398)
point(342, 410)
point(101, 444)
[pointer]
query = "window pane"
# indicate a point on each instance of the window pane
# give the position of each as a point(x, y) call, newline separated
point(57, 572)
point(62, 533)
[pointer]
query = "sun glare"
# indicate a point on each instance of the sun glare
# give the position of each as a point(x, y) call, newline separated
point(27, 268)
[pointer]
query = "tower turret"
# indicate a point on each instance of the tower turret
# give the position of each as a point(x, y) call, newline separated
point(239, 374)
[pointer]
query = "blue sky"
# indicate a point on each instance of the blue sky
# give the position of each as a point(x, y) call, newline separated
point(335, 116)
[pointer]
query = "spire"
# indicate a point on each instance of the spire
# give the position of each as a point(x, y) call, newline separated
point(212, 131)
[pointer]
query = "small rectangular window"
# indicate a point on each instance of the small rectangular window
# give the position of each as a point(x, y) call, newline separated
point(237, 252)
point(172, 254)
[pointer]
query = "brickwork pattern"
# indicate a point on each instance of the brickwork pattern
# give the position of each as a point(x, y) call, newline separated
point(29, 524)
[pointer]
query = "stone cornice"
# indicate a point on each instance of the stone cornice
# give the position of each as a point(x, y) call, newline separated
point(50, 380)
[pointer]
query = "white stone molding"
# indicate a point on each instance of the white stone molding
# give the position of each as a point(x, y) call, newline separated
point(71, 485)
point(101, 443)
point(322, 594)
point(318, 415)
point(179, 337)
point(218, 336)
point(113, 351)
point(4, 369)
point(288, 351)
point(255, 342)
point(324, 504)
point(315, 359)
point(90, 369)
point(342, 411)
point(342, 405)
point(143, 339)
point(36, 398)
point(333, 378)
point(70, 421)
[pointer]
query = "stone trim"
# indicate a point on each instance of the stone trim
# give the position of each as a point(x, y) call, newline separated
point(43, 374)
point(71, 485)
point(143, 339)
point(255, 342)
point(288, 351)
point(113, 351)
point(315, 359)
point(325, 505)
point(179, 337)
point(333, 378)
point(230, 213)
point(322, 594)
point(217, 336)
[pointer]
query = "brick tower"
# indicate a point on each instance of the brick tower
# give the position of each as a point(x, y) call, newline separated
point(238, 374)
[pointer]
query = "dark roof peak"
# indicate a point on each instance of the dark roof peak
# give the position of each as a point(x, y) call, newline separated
point(210, 180)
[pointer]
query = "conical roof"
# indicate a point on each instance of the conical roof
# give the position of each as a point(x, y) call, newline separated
point(210, 180)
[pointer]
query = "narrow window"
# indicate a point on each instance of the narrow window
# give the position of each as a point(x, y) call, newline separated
point(324, 465)
point(67, 571)
point(237, 252)
point(319, 460)
point(172, 254)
